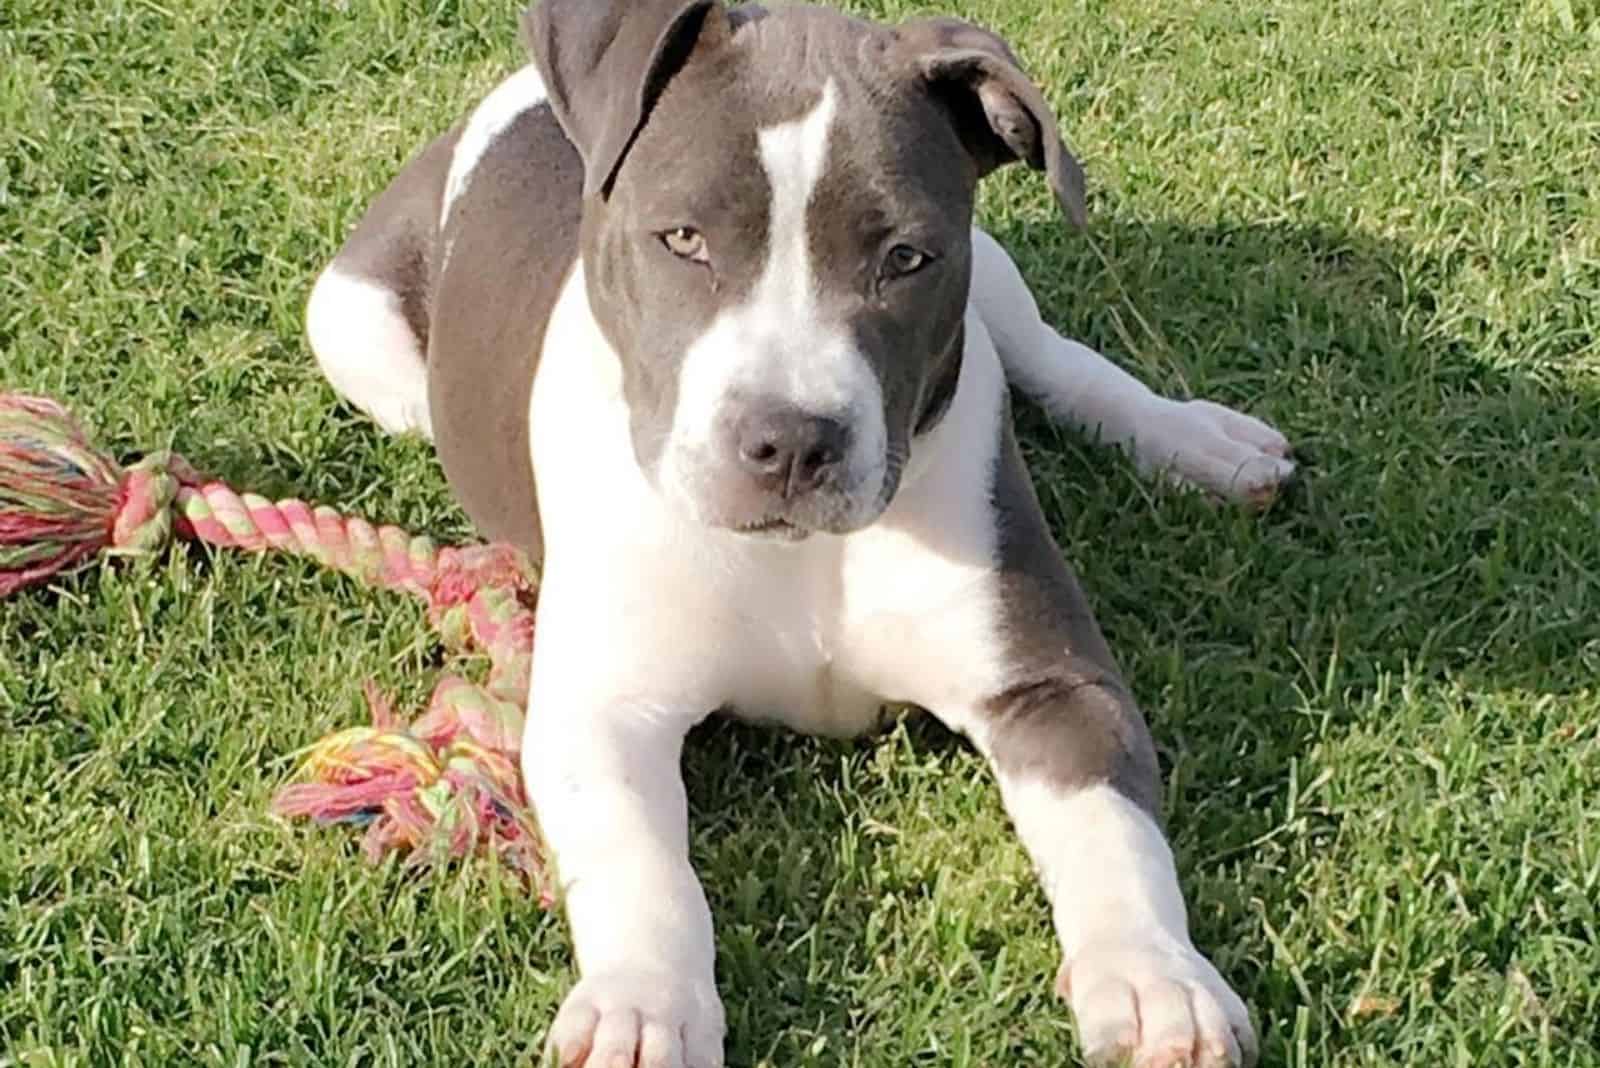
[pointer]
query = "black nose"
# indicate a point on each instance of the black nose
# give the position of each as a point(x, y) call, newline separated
point(789, 452)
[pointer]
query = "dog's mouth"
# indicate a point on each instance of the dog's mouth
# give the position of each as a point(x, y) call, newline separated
point(775, 528)
point(798, 523)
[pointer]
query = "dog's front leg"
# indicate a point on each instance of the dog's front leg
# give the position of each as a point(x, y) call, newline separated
point(1137, 986)
point(1017, 663)
point(603, 774)
point(1066, 748)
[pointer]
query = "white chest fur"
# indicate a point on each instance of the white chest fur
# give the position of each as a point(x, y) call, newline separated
point(819, 634)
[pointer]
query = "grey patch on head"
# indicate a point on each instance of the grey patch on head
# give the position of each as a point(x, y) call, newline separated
point(1067, 718)
point(925, 110)
point(638, 89)
point(894, 175)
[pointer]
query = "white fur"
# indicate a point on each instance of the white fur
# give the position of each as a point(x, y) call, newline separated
point(367, 350)
point(614, 693)
point(917, 591)
point(1104, 865)
point(513, 96)
point(779, 344)
point(1194, 442)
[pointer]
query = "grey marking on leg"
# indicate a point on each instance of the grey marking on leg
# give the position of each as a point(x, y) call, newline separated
point(1067, 717)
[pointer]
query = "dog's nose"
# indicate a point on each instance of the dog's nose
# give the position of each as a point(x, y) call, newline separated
point(790, 452)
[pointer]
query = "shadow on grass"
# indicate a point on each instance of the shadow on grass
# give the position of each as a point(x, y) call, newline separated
point(782, 853)
point(1439, 521)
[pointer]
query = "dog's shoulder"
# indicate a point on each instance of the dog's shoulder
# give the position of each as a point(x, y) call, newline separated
point(509, 218)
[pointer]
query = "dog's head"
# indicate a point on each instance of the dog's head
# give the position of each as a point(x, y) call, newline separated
point(776, 235)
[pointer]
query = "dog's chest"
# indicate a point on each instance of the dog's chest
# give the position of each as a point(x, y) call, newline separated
point(793, 653)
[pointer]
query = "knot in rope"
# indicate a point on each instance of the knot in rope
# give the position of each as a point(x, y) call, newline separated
point(142, 525)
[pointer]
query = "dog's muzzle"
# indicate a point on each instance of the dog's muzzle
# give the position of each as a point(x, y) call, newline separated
point(775, 470)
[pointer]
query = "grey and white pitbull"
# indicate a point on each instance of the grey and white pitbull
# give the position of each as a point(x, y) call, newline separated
point(707, 277)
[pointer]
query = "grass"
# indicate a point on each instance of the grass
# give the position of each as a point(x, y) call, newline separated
point(1376, 223)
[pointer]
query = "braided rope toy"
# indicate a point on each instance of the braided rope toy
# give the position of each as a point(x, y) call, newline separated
point(445, 786)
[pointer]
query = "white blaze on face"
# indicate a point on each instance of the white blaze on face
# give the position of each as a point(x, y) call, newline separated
point(776, 346)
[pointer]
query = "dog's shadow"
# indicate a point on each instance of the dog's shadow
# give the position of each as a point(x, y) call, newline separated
point(1401, 548)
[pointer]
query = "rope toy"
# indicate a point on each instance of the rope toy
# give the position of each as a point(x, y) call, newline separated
point(445, 786)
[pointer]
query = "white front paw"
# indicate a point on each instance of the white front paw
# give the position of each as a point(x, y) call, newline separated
point(639, 1020)
point(1155, 1006)
point(1214, 448)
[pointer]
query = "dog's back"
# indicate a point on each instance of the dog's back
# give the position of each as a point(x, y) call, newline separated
point(508, 241)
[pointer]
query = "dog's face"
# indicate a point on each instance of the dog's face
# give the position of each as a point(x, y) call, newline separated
point(776, 237)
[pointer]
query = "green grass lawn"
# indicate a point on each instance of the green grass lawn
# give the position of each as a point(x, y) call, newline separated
point(1376, 223)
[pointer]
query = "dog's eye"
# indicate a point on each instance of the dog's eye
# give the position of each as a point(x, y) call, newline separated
point(686, 243)
point(903, 260)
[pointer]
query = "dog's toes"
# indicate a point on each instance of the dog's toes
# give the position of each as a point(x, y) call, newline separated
point(638, 1021)
point(1242, 458)
point(1213, 448)
point(616, 1039)
point(1108, 1022)
point(1156, 1007)
point(1219, 1042)
point(1245, 429)
point(660, 1046)
point(1251, 479)
point(1257, 481)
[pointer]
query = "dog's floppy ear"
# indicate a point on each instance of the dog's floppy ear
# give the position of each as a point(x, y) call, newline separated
point(999, 112)
point(605, 62)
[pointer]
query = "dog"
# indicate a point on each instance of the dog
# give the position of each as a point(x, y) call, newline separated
point(694, 310)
